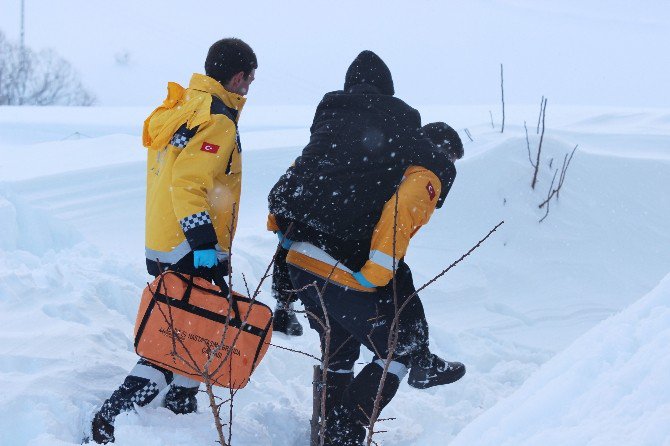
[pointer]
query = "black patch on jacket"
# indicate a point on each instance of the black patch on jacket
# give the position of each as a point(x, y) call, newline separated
point(219, 108)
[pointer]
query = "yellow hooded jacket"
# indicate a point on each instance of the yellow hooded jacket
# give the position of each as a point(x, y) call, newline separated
point(194, 171)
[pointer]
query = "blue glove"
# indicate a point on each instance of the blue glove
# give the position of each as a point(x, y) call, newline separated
point(360, 278)
point(205, 258)
point(285, 242)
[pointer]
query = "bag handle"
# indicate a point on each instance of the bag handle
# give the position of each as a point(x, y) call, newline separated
point(189, 288)
point(220, 275)
point(219, 280)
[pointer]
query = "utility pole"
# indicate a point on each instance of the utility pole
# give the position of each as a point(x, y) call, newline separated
point(22, 62)
point(23, 26)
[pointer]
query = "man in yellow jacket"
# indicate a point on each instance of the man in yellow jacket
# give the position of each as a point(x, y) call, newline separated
point(194, 173)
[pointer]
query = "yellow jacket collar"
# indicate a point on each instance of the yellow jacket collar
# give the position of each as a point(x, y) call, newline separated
point(207, 84)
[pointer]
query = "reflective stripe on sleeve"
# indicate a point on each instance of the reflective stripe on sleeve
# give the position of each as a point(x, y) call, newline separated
point(172, 257)
point(383, 260)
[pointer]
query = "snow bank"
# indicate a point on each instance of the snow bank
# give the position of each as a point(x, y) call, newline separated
point(71, 269)
point(608, 388)
point(65, 316)
point(26, 228)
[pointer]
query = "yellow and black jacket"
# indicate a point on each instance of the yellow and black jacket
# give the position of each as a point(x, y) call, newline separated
point(417, 198)
point(194, 172)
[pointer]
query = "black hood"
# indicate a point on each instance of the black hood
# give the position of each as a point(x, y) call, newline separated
point(370, 69)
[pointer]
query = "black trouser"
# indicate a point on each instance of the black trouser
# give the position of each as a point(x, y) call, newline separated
point(281, 280)
point(359, 318)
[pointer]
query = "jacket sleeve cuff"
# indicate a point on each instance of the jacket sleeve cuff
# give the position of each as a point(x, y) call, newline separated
point(272, 223)
point(376, 274)
point(199, 230)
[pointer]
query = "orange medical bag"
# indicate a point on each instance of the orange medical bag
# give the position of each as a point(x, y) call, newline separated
point(182, 320)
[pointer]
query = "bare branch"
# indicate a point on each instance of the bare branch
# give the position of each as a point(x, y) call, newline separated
point(295, 351)
point(551, 192)
point(460, 259)
point(216, 410)
point(528, 145)
point(502, 95)
point(555, 192)
point(539, 148)
point(315, 431)
point(564, 170)
point(467, 132)
point(539, 117)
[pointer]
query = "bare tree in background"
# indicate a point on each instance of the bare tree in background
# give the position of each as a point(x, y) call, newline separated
point(44, 78)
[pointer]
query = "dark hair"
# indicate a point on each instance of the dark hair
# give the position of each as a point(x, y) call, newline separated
point(227, 57)
point(444, 137)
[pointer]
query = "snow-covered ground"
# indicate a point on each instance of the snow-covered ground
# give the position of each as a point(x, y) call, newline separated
point(563, 324)
point(557, 321)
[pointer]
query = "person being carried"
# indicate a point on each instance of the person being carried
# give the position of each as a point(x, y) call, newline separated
point(336, 212)
point(194, 169)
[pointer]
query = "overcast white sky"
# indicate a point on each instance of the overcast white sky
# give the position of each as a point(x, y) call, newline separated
point(440, 52)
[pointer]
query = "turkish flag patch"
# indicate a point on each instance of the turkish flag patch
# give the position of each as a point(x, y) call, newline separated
point(209, 147)
point(431, 190)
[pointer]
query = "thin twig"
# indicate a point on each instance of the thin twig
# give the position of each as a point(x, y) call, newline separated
point(564, 170)
point(539, 148)
point(446, 270)
point(392, 340)
point(467, 132)
point(539, 117)
point(295, 351)
point(551, 192)
point(555, 192)
point(502, 94)
point(528, 144)
point(326, 354)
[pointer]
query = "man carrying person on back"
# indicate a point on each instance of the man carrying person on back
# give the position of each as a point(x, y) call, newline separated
point(336, 213)
point(194, 170)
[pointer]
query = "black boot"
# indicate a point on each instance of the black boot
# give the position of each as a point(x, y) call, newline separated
point(182, 400)
point(432, 370)
point(347, 421)
point(102, 431)
point(337, 384)
point(284, 317)
point(342, 430)
point(285, 320)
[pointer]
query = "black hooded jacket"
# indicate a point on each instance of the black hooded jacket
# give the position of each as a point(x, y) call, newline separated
point(361, 143)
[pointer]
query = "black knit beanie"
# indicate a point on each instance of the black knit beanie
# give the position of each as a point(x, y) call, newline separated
point(444, 137)
point(368, 68)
